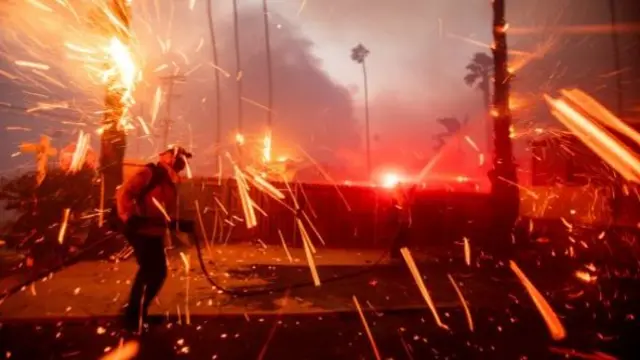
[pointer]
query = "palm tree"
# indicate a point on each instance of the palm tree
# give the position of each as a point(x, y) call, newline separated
point(480, 72)
point(479, 75)
point(452, 126)
point(359, 54)
point(214, 48)
point(113, 141)
point(504, 189)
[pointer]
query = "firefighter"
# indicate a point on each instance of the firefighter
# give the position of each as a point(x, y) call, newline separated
point(401, 217)
point(146, 204)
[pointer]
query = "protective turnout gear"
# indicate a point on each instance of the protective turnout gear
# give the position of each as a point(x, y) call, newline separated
point(146, 205)
point(150, 194)
point(180, 156)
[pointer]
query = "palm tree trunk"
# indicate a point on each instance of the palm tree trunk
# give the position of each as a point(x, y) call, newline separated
point(214, 48)
point(504, 190)
point(366, 119)
point(236, 34)
point(113, 141)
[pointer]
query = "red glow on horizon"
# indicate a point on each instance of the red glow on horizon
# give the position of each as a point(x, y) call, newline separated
point(390, 180)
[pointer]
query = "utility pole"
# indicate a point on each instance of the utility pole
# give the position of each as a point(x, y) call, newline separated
point(169, 82)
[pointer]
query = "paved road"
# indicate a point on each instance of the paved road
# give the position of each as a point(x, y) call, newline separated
point(72, 314)
point(100, 288)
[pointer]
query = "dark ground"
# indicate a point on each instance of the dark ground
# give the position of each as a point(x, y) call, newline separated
point(600, 319)
point(51, 321)
point(499, 334)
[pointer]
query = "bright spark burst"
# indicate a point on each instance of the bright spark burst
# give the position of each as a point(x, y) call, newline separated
point(61, 47)
point(585, 118)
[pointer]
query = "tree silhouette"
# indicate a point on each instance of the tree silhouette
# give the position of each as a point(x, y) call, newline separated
point(312, 111)
point(359, 54)
point(480, 72)
point(452, 127)
point(39, 209)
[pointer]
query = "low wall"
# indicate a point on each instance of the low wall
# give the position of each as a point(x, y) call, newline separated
point(344, 216)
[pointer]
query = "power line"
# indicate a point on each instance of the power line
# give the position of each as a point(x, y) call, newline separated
point(169, 82)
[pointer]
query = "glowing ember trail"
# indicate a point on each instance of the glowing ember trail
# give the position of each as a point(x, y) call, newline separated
point(551, 319)
point(161, 208)
point(125, 351)
point(421, 286)
point(266, 152)
point(80, 153)
point(187, 266)
point(463, 302)
point(596, 137)
point(467, 252)
point(376, 352)
point(309, 250)
point(63, 225)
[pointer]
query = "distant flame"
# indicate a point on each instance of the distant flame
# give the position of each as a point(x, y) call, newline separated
point(266, 152)
point(390, 180)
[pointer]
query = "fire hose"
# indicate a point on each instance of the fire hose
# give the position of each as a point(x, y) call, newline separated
point(237, 292)
point(246, 292)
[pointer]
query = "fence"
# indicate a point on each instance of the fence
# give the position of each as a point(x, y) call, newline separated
point(343, 216)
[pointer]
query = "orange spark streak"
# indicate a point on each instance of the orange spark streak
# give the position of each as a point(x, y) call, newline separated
point(124, 351)
point(161, 208)
point(600, 113)
point(463, 302)
point(40, 5)
point(467, 252)
point(187, 266)
point(577, 29)
point(421, 286)
point(155, 107)
point(266, 151)
point(554, 325)
point(80, 153)
point(63, 226)
point(366, 329)
point(598, 139)
point(284, 246)
point(32, 65)
point(309, 251)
